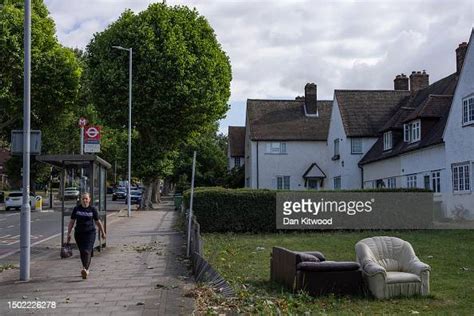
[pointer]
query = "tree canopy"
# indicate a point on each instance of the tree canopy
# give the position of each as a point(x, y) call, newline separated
point(181, 81)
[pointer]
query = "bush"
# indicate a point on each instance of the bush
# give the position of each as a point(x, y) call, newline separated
point(243, 210)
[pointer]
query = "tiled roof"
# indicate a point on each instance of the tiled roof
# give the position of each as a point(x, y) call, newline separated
point(236, 138)
point(285, 120)
point(431, 103)
point(364, 112)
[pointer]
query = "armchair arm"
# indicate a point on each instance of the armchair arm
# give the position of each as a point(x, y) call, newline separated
point(415, 266)
point(371, 269)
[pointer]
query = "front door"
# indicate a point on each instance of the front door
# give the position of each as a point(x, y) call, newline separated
point(313, 184)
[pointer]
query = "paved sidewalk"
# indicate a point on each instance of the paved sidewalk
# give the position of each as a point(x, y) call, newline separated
point(142, 271)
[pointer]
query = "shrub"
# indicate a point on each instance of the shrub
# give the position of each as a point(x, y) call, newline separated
point(243, 210)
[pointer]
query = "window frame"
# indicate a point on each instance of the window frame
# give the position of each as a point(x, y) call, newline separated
point(412, 131)
point(468, 110)
point(392, 182)
point(412, 181)
point(283, 183)
point(387, 140)
point(336, 147)
point(461, 177)
point(237, 159)
point(436, 181)
point(339, 181)
point(276, 148)
point(353, 142)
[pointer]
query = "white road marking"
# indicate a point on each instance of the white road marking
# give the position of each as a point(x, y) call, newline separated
point(5, 236)
point(11, 226)
point(12, 214)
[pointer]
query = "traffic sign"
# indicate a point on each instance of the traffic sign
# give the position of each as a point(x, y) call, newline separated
point(92, 133)
point(82, 122)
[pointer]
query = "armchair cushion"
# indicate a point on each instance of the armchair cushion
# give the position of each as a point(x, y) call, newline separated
point(401, 277)
point(328, 266)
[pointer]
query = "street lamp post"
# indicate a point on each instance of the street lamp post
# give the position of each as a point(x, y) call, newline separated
point(129, 125)
point(25, 215)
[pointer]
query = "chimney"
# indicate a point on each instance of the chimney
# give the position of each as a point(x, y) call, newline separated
point(311, 98)
point(460, 55)
point(419, 80)
point(400, 82)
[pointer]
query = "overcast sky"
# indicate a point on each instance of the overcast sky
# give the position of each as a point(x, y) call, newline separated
point(275, 47)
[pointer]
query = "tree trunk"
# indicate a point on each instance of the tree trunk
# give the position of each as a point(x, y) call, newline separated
point(146, 199)
point(155, 191)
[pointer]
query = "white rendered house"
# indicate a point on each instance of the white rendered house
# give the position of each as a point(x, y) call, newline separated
point(285, 143)
point(459, 139)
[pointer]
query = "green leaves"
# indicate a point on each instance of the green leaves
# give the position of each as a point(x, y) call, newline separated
point(181, 80)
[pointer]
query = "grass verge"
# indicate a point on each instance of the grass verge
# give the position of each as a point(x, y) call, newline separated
point(243, 260)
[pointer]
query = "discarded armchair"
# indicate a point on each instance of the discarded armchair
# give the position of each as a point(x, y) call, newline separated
point(391, 268)
point(309, 271)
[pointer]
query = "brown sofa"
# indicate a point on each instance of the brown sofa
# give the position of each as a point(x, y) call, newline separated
point(311, 272)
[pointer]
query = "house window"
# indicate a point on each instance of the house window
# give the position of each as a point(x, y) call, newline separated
point(461, 178)
point(336, 147)
point(387, 140)
point(276, 148)
point(237, 161)
point(283, 183)
point(392, 183)
point(436, 181)
point(412, 131)
point(356, 145)
point(337, 183)
point(427, 182)
point(468, 110)
point(411, 181)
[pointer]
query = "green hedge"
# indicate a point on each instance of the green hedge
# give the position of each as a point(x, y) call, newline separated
point(244, 210)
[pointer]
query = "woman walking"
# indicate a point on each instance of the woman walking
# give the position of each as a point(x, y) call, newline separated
point(84, 216)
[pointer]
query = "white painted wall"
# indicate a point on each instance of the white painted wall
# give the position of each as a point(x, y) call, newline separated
point(300, 155)
point(460, 140)
point(347, 166)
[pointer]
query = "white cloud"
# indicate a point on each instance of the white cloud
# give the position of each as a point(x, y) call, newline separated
point(276, 47)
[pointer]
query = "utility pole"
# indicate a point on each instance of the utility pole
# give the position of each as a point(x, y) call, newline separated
point(25, 215)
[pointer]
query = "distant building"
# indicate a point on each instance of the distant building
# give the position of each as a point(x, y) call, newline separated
point(236, 147)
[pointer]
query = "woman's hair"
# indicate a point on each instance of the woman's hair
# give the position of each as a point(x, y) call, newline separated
point(84, 194)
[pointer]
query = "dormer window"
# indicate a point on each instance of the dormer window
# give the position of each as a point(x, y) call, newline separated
point(412, 131)
point(468, 111)
point(387, 140)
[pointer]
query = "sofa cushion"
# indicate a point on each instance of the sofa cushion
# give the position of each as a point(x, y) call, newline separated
point(304, 257)
point(317, 254)
point(328, 266)
point(401, 277)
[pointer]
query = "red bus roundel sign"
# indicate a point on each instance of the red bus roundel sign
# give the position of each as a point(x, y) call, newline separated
point(92, 134)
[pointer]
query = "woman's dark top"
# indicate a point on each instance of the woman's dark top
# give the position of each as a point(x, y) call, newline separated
point(85, 217)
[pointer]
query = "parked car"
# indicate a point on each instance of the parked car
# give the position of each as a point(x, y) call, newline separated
point(121, 193)
point(15, 198)
point(71, 193)
point(2, 196)
point(110, 190)
point(135, 197)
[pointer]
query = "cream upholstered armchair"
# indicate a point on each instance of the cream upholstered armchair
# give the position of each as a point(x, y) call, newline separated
point(391, 268)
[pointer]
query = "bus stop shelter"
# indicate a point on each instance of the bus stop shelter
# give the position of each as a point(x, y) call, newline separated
point(86, 173)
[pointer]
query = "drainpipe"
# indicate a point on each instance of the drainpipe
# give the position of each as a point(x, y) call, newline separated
point(257, 168)
point(361, 176)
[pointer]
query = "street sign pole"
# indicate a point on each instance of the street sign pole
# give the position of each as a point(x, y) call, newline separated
point(25, 215)
point(82, 140)
point(191, 205)
point(129, 202)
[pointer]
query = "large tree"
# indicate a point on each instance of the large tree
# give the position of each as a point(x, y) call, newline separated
point(54, 83)
point(55, 76)
point(181, 81)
